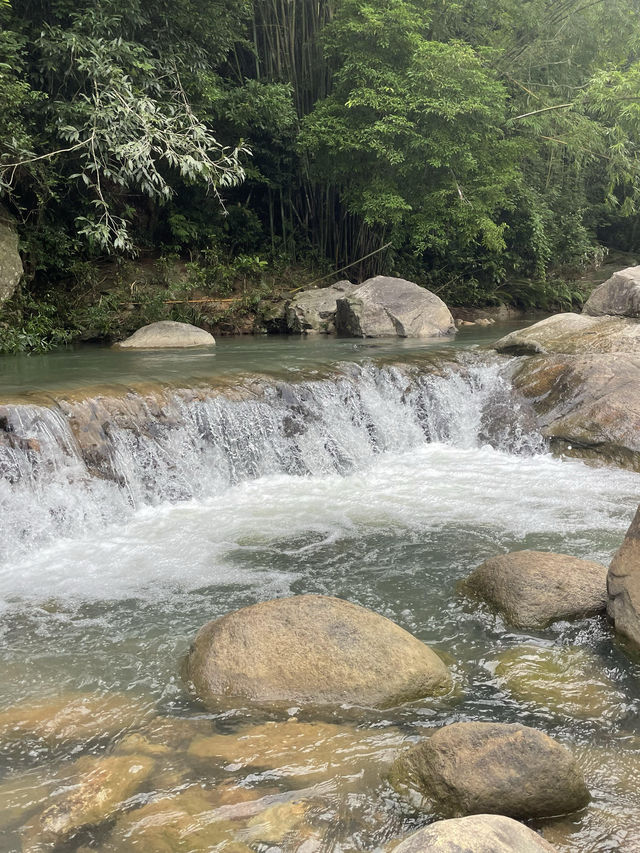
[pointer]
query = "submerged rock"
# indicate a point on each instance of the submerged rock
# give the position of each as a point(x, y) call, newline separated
point(574, 334)
point(315, 310)
point(623, 583)
point(384, 306)
point(494, 768)
point(310, 752)
point(75, 717)
point(312, 649)
point(484, 833)
point(181, 823)
point(619, 295)
point(563, 680)
point(535, 588)
point(95, 791)
point(165, 334)
point(587, 404)
point(11, 268)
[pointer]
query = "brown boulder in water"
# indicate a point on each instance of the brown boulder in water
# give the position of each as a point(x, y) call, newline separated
point(534, 588)
point(492, 768)
point(312, 649)
point(623, 584)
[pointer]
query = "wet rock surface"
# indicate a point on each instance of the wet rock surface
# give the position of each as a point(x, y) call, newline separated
point(302, 751)
point(534, 588)
point(95, 790)
point(385, 306)
point(75, 717)
point(312, 649)
point(494, 768)
point(167, 334)
point(485, 833)
point(623, 584)
point(563, 680)
point(572, 334)
point(586, 405)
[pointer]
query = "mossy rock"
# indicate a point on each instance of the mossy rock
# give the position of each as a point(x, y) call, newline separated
point(563, 680)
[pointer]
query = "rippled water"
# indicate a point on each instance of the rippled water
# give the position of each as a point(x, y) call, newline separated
point(412, 492)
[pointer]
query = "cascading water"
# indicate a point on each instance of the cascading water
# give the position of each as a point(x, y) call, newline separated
point(130, 520)
point(83, 465)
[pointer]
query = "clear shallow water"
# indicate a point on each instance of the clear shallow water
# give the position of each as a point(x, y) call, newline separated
point(279, 355)
point(382, 516)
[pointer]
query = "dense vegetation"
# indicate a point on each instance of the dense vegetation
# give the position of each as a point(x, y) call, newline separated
point(482, 143)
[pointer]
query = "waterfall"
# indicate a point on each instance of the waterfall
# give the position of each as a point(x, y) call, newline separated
point(75, 466)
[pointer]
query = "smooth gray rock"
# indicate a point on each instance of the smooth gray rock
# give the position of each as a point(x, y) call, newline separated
point(484, 833)
point(623, 584)
point(492, 768)
point(166, 334)
point(587, 405)
point(11, 269)
point(534, 588)
point(312, 649)
point(315, 310)
point(619, 295)
point(574, 334)
point(384, 306)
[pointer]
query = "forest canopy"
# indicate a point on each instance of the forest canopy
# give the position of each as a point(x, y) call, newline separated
point(478, 141)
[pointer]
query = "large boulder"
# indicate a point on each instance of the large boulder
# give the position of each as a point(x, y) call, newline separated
point(534, 588)
point(485, 833)
point(312, 649)
point(166, 334)
point(11, 269)
point(619, 295)
point(315, 310)
point(586, 405)
point(623, 584)
point(493, 768)
point(385, 306)
point(572, 334)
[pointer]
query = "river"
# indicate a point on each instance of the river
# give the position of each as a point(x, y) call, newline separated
point(382, 473)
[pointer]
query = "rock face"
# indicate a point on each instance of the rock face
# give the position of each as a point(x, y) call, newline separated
point(586, 404)
point(485, 833)
point(11, 268)
point(166, 334)
point(574, 334)
point(315, 310)
point(312, 649)
point(384, 306)
point(534, 588)
point(493, 768)
point(623, 583)
point(620, 295)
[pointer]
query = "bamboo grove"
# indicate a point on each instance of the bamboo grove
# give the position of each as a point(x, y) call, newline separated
point(478, 141)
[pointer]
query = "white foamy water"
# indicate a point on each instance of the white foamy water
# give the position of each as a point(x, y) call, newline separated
point(419, 492)
point(82, 466)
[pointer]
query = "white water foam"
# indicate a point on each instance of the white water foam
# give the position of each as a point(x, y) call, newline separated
point(180, 547)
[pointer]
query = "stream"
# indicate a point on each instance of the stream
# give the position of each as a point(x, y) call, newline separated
point(142, 494)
